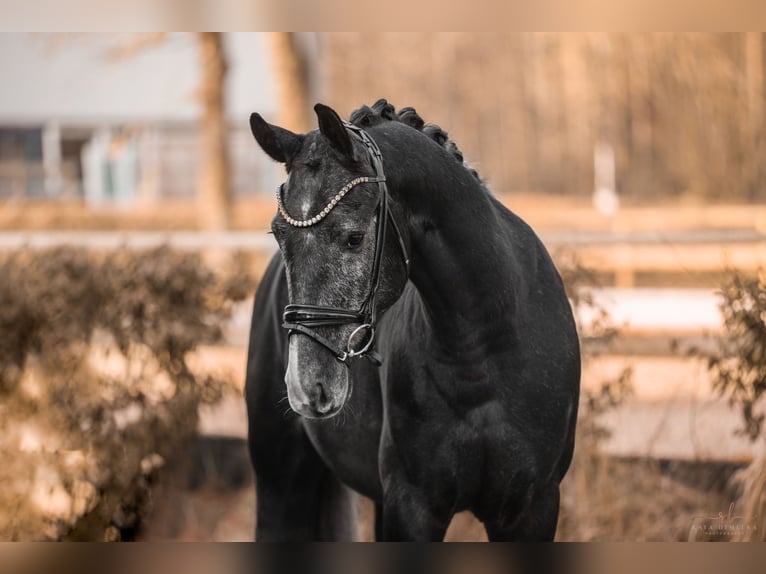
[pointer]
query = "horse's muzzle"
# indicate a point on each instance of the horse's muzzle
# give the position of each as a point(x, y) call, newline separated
point(312, 392)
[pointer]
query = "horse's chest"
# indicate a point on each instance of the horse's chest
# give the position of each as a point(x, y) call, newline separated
point(351, 451)
point(449, 441)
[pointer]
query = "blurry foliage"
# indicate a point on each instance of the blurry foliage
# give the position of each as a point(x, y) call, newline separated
point(595, 338)
point(738, 369)
point(612, 498)
point(605, 497)
point(738, 365)
point(95, 390)
point(609, 394)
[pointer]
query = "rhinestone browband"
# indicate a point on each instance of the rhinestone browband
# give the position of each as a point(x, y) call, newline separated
point(327, 209)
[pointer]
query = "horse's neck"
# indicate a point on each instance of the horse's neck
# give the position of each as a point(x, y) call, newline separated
point(464, 281)
point(461, 259)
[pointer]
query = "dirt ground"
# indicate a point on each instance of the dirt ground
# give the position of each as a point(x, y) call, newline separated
point(229, 516)
point(603, 498)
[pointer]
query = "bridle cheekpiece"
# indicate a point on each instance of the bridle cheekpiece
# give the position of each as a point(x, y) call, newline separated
point(305, 319)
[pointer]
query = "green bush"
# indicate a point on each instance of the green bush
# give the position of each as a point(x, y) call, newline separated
point(95, 390)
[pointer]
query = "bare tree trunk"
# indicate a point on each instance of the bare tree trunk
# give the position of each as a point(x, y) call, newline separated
point(213, 191)
point(755, 103)
point(754, 71)
point(291, 71)
point(577, 115)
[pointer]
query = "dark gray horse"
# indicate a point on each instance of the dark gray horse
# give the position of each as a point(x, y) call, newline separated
point(401, 277)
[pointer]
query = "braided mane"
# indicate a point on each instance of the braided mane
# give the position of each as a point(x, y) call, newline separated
point(382, 111)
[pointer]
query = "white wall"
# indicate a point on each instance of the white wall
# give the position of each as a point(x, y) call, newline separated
point(72, 78)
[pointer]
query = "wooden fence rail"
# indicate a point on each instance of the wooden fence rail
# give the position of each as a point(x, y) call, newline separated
point(625, 255)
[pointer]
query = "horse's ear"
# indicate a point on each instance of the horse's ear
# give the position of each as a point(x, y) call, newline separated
point(331, 127)
point(280, 144)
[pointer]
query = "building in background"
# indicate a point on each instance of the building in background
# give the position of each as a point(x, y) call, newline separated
point(683, 114)
point(78, 121)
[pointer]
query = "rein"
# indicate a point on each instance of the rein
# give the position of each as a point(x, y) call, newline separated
point(304, 319)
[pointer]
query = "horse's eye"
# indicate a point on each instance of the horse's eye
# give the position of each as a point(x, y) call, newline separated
point(354, 240)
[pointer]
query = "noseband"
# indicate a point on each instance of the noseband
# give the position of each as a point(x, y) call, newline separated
point(304, 319)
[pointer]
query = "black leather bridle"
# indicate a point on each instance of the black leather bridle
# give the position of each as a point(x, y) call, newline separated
point(304, 319)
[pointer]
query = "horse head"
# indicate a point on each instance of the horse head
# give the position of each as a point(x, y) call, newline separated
point(342, 250)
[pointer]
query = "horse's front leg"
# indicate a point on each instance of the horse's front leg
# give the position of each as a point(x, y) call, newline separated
point(408, 515)
point(418, 485)
point(415, 506)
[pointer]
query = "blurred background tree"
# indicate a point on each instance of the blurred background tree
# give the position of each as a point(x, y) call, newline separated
point(214, 196)
point(738, 367)
point(213, 187)
point(291, 67)
point(682, 115)
point(683, 112)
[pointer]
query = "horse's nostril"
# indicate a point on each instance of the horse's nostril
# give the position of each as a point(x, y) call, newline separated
point(323, 404)
point(322, 394)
